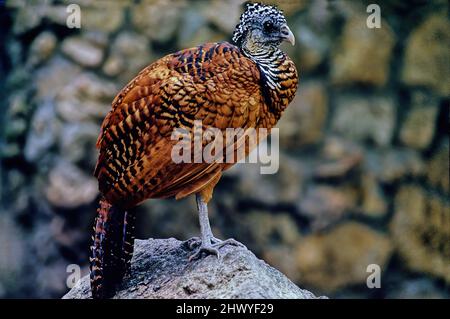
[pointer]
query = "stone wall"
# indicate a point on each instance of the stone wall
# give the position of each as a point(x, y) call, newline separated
point(364, 167)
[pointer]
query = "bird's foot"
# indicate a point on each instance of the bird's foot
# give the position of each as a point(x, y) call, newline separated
point(193, 243)
point(211, 246)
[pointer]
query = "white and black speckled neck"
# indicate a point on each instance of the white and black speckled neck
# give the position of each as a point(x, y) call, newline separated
point(268, 62)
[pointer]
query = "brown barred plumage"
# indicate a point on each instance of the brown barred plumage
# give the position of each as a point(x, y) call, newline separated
point(217, 83)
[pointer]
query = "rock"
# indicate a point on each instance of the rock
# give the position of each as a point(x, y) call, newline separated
point(282, 257)
point(283, 187)
point(223, 14)
point(175, 218)
point(312, 47)
point(338, 158)
point(289, 7)
point(438, 168)
point(15, 128)
point(320, 13)
point(348, 9)
point(304, 120)
point(63, 235)
point(46, 270)
point(373, 200)
point(67, 109)
point(16, 180)
point(57, 13)
point(420, 230)
point(82, 51)
point(9, 150)
point(325, 204)
point(333, 172)
point(129, 54)
point(13, 254)
point(69, 187)
point(42, 48)
point(49, 278)
point(375, 118)
point(337, 168)
point(42, 242)
point(427, 55)
point(97, 38)
point(340, 258)
point(87, 97)
point(418, 128)
point(192, 21)
point(264, 229)
point(76, 142)
point(18, 105)
point(392, 165)
point(160, 269)
point(195, 29)
point(27, 17)
point(363, 55)
point(89, 86)
point(103, 18)
point(158, 21)
point(420, 123)
point(43, 132)
point(56, 74)
point(203, 35)
point(420, 288)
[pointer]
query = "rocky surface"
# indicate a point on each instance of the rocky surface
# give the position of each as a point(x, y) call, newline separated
point(160, 269)
point(428, 53)
point(363, 147)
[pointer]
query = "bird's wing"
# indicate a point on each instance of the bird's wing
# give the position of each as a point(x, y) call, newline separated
point(213, 83)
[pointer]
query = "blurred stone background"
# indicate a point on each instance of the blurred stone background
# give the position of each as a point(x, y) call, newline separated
point(364, 169)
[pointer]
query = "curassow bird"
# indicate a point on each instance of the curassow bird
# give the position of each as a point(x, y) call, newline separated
point(247, 85)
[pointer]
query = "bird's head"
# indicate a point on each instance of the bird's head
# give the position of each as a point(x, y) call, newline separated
point(261, 27)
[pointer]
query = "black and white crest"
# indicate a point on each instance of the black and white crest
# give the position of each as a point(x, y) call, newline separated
point(253, 12)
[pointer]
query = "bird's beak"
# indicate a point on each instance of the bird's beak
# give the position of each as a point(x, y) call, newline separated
point(287, 35)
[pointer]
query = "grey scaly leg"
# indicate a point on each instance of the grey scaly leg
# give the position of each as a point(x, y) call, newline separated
point(209, 244)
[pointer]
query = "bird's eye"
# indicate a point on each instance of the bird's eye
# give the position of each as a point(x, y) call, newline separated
point(268, 26)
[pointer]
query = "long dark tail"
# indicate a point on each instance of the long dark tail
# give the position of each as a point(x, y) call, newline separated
point(111, 250)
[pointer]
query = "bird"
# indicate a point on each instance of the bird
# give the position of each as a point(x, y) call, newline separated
point(245, 84)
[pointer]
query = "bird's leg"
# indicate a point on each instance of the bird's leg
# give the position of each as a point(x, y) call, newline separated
point(209, 244)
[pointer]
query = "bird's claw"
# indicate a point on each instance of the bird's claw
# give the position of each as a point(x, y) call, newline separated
point(193, 242)
point(212, 248)
point(209, 250)
point(229, 241)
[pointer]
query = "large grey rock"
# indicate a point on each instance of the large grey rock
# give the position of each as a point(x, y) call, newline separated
point(160, 269)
